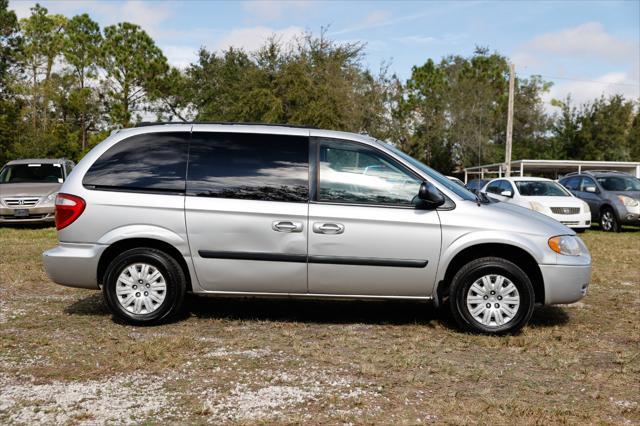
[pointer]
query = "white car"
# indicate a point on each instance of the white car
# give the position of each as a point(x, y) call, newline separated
point(544, 196)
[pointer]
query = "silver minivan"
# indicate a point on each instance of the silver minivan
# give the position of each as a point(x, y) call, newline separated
point(154, 212)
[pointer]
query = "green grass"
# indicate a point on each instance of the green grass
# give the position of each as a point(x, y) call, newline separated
point(266, 361)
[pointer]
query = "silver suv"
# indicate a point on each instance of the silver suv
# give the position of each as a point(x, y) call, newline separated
point(155, 212)
point(28, 189)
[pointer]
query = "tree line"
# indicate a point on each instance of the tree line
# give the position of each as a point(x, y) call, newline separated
point(65, 83)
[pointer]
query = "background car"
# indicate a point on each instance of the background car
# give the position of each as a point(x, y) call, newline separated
point(544, 196)
point(614, 197)
point(475, 185)
point(28, 189)
point(456, 180)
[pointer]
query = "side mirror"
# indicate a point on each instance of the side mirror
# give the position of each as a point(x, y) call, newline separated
point(507, 193)
point(590, 189)
point(430, 196)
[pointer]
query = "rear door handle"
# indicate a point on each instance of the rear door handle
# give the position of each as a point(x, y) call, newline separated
point(286, 226)
point(328, 228)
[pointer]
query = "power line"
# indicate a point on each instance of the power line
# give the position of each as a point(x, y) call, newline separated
point(583, 80)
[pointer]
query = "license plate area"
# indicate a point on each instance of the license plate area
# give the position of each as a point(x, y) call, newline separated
point(21, 212)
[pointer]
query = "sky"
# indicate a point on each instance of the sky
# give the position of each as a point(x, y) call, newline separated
point(586, 48)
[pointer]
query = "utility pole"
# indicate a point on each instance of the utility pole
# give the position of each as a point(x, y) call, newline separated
point(512, 78)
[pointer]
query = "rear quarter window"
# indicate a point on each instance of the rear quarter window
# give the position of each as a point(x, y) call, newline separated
point(151, 162)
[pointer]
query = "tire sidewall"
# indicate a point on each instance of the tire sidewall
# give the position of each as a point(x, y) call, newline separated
point(615, 226)
point(174, 282)
point(506, 269)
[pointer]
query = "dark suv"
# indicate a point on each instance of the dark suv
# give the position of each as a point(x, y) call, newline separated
point(614, 197)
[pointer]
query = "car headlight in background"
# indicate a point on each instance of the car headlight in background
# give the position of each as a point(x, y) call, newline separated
point(569, 245)
point(628, 201)
point(585, 207)
point(536, 206)
point(51, 198)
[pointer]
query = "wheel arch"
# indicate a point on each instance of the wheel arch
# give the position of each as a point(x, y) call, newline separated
point(605, 206)
point(522, 258)
point(120, 246)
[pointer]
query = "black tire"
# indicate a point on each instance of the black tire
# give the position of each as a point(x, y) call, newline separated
point(476, 269)
point(174, 279)
point(609, 221)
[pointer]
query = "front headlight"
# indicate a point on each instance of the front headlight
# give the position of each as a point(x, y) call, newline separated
point(51, 198)
point(568, 245)
point(536, 206)
point(628, 201)
point(585, 207)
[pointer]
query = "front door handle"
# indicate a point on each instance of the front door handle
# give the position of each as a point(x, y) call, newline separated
point(286, 226)
point(328, 228)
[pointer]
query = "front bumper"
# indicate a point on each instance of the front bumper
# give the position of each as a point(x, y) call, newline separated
point(565, 283)
point(630, 215)
point(580, 220)
point(36, 215)
point(74, 265)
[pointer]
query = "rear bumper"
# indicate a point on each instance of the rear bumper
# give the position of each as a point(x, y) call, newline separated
point(74, 265)
point(565, 284)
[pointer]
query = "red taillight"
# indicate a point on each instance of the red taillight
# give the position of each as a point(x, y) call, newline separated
point(68, 209)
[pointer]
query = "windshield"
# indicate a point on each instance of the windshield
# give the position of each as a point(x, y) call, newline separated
point(537, 188)
point(31, 173)
point(619, 183)
point(441, 179)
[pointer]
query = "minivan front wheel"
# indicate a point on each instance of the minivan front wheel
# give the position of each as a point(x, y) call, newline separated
point(491, 295)
point(144, 286)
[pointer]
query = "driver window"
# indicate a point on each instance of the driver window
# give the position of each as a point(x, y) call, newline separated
point(354, 173)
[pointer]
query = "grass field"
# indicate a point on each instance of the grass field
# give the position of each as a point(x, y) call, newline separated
point(64, 360)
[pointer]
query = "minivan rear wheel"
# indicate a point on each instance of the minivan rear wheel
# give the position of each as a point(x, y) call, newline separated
point(491, 295)
point(144, 286)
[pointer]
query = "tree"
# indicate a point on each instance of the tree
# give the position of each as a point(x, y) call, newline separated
point(9, 52)
point(43, 41)
point(633, 140)
point(82, 40)
point(132, 62)
point(458, 111)
point(604, 126)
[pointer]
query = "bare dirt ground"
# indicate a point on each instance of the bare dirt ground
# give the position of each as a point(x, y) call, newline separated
point(64, 360)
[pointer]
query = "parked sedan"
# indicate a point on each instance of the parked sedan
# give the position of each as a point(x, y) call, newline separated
point(544, 196)
point(28, 189)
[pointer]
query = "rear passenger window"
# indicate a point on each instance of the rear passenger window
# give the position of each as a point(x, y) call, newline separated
point(249, 166)
point(151, 162)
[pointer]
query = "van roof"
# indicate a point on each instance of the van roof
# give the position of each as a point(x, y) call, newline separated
point(244, 128)
point(226, 123)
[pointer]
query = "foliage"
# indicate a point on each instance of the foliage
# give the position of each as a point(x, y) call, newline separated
point(9, 51)
point(65, 84)
point(131, 61)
